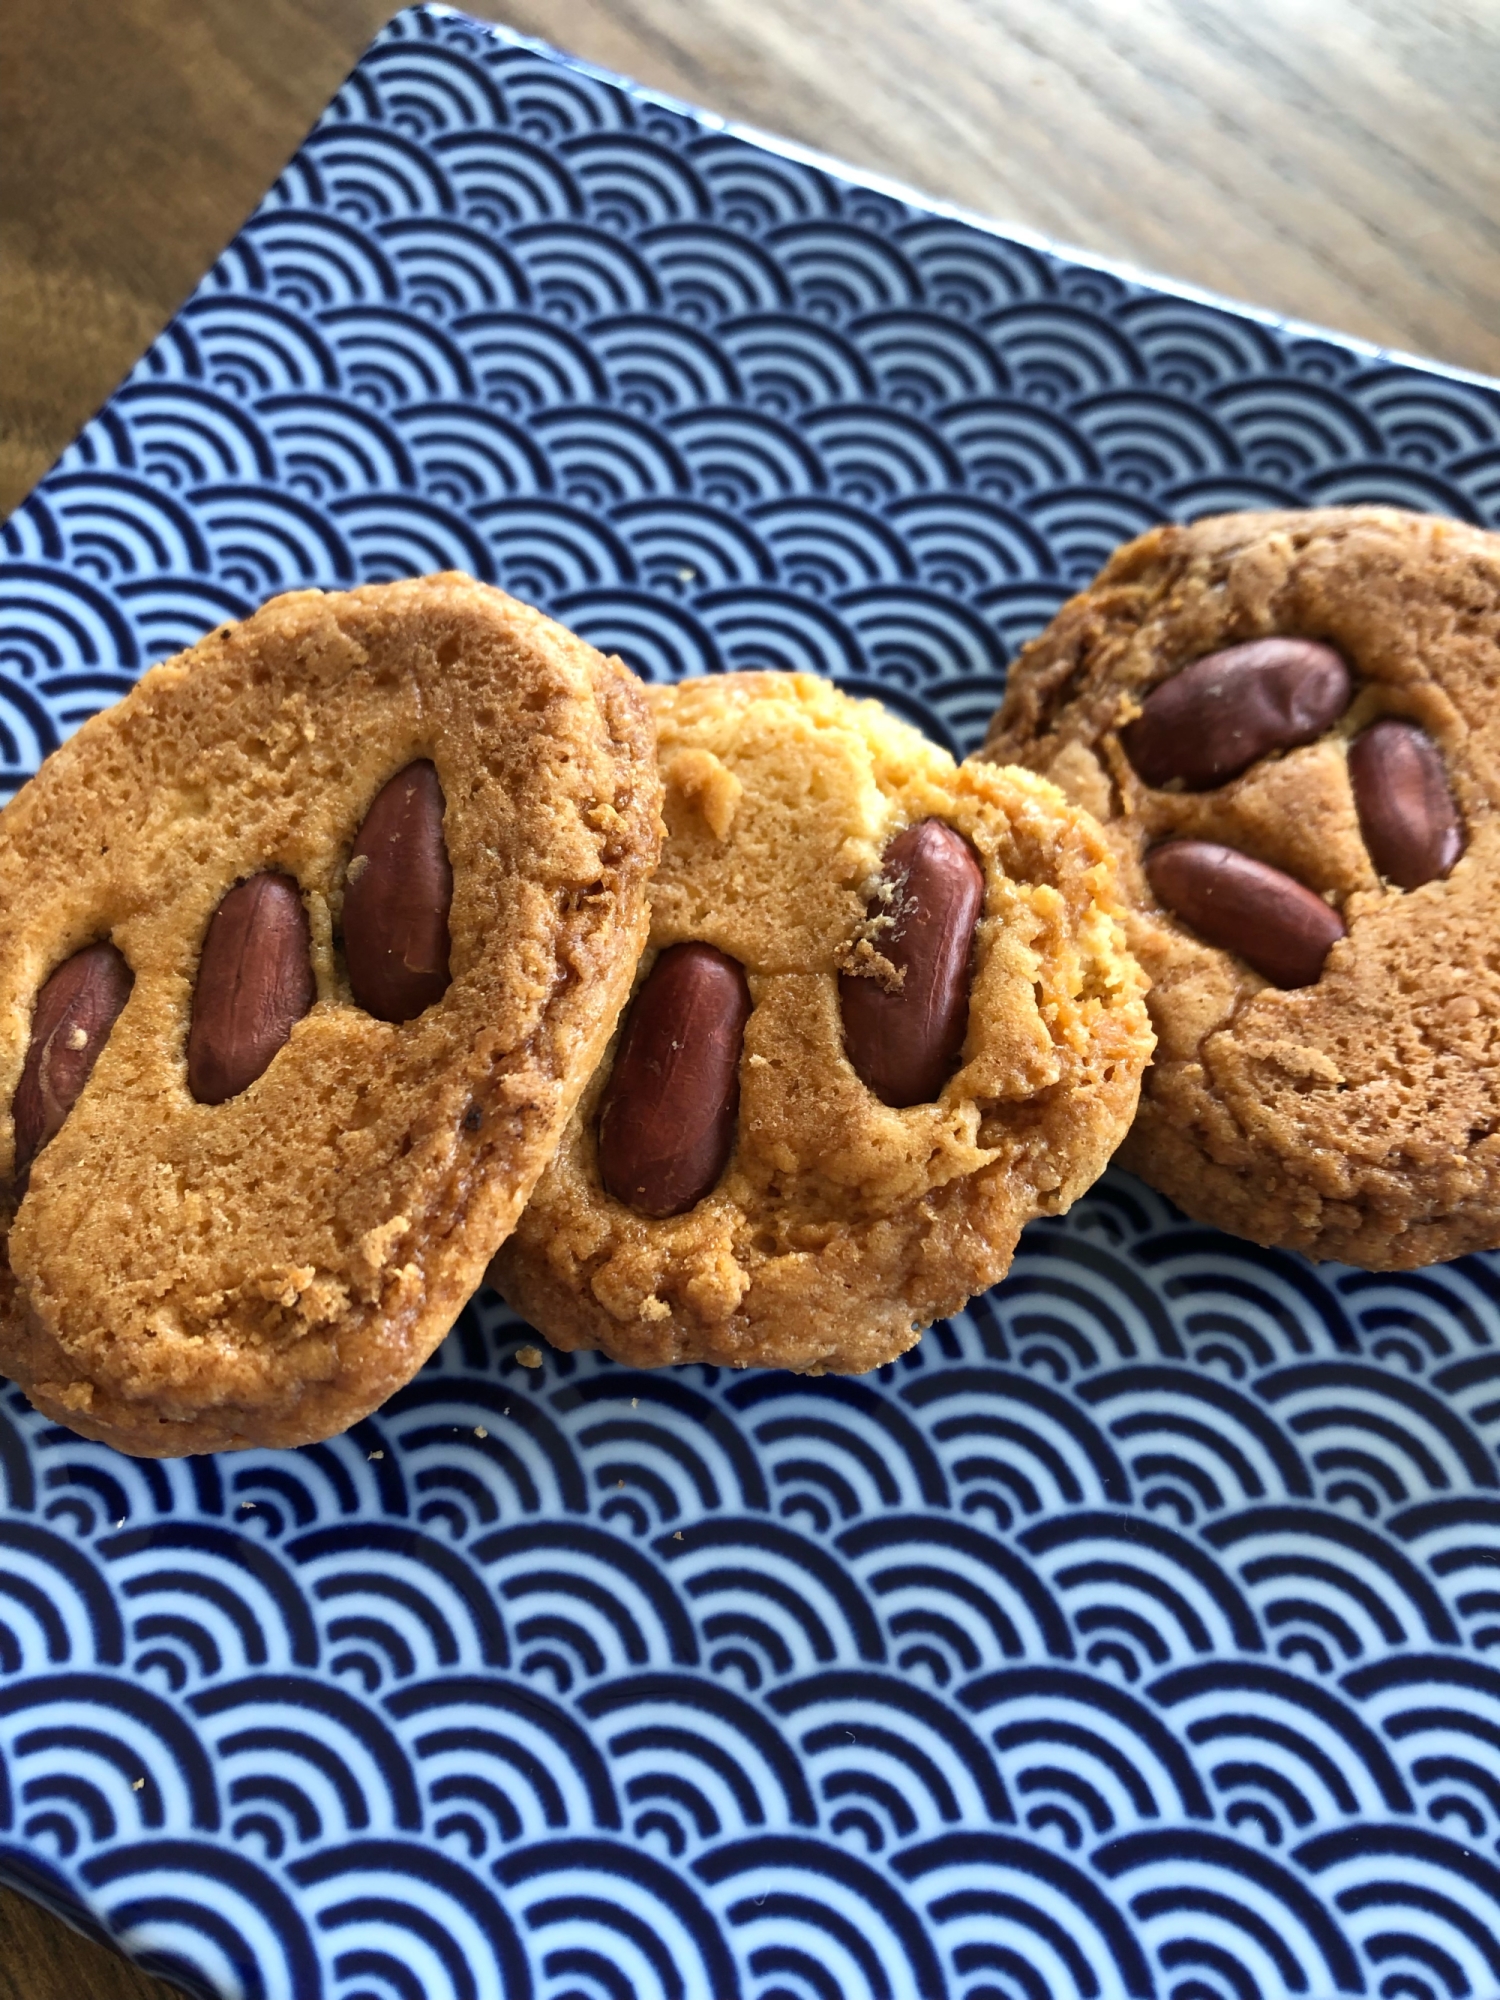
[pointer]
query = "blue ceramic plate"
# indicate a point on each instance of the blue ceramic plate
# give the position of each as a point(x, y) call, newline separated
point(1131, 1636)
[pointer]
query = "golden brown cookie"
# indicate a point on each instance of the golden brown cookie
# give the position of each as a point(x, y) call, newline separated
point(840, 1224)
point(260, 1215)
point(1327, 1072)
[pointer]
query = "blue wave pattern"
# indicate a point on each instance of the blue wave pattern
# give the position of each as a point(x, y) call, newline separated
point(1129, 1637)
point(1132, 1636)
point(710, 405)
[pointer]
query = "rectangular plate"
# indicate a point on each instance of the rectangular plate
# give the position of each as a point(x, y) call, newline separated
point(1131, 1635)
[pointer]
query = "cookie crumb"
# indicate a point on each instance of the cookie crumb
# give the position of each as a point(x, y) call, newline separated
point(655, 1308)
point(356, 867)
point(861, 960)
point(377, 1454)
point(529, 1357)
point(480, 1431)
point(884, 906)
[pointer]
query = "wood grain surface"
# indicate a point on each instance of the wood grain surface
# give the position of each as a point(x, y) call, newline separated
point(1338, 160)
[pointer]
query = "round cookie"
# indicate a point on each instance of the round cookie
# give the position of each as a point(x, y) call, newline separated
point(1355, 1117)
point(840, 1226)
point(188, 1275)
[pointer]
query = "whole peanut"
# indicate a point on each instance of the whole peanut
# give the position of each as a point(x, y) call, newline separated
point(74, 1013)
point(1273, 922)
point(1213, 719)
point(667, 1121)
point(255, 982)
point(397, 897)
point(904, 1028)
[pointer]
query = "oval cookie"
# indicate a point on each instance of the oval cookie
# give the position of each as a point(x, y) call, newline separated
point(1337, 1094)
point(258, 1245)
point(841, 1224)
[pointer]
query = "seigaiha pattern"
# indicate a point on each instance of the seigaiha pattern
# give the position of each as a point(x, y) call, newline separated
point(1131, 1636)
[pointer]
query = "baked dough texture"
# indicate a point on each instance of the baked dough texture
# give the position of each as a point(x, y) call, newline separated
point(1358, 1118)
point(840, 1227)
point(185, 1277)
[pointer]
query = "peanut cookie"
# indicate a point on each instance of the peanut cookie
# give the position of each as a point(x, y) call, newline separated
point(311, 944)
point(885, 1017)
point(1289, 725)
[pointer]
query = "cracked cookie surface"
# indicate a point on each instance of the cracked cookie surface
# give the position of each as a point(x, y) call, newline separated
point(1358, 1116)
point(841, 1226)
point(189, 1276)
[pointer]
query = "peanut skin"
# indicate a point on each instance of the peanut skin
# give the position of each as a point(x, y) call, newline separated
point(1406, 811)
point(255, 982)
point(398, 895)
point(905, 1039)
point(74, 1014)
point(666, 1125)
point(1273, 922)
point(1213, 719)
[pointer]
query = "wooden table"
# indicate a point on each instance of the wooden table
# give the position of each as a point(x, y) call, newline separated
point(1340, 162)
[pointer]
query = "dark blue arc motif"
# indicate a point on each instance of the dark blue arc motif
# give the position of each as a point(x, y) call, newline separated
point(1134, 1635)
